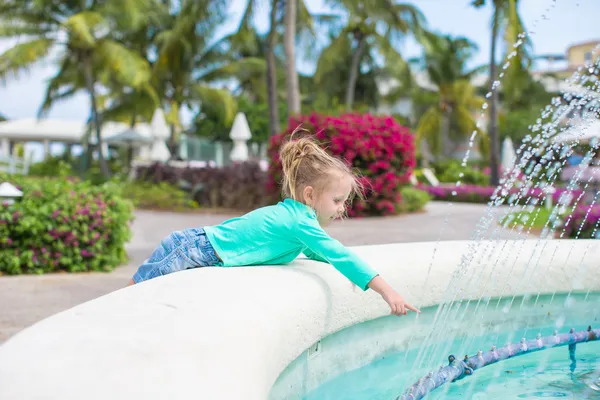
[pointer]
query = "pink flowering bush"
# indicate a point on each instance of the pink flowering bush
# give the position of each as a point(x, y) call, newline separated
point(379, 148)
point(583, 222)
point(63, 225)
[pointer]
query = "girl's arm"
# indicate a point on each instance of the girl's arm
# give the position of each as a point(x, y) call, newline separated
point(321, 246)
point(310, 233)
point(314, 256)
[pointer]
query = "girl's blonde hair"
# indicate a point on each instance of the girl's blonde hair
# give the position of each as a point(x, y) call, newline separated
point(305, 163)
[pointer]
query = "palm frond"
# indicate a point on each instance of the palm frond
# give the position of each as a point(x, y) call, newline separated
point(124, 106)
point(81, 28)
point(465, 121)
point(10, 29)
point(63, 85)
point(429, 129)
point(242, 69)
point(131, 14)
point(128, 66)
point(219, 101)
point(330, 56)
point(22, 56)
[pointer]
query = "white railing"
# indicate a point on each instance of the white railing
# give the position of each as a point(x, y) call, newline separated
point(14, 165)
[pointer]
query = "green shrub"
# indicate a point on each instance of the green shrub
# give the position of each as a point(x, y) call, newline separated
point(413, 199)
point(238, 186)
point(450, 172)
point(61, 167)
point(157, 196)
point(53, 167)
point(63, 225)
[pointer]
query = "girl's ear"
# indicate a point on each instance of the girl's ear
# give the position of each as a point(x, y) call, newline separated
point(308, 195)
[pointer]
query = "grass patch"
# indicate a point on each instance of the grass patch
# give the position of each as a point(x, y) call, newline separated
point(535, 219)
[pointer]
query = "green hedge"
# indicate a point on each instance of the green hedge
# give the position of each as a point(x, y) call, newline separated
point(413, 200)
point(158, 196)
point(63, 225)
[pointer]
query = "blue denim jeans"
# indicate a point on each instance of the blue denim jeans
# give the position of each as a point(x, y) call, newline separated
point(179, 251)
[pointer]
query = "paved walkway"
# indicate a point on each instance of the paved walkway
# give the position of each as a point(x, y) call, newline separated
point(27, 299)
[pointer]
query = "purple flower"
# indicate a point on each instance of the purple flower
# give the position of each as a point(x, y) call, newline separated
point(86, 253)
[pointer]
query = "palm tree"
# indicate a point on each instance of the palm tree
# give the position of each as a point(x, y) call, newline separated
point(329, 83)
point(267, 47)
point(127, 104)
point(505, 19)
point(289, 44)
point(272, 69)
point(189, 59)
point(373, 26)
point(450, 117)
point(82, 36)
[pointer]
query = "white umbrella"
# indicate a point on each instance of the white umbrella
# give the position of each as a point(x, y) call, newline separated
point(508, 155)
point(240, 134)
point(130, 137)
point(160, 132)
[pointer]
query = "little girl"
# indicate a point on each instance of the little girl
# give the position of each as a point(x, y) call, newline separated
point(316, 188)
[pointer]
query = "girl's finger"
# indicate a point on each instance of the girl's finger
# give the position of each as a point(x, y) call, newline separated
point(412, 308)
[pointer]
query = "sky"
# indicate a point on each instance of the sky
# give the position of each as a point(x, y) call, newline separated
point(555, 25)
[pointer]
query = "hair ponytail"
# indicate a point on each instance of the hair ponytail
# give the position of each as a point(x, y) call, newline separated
point(305, 163)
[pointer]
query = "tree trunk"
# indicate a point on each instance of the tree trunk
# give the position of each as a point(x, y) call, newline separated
point(289, 43)
point(173, 143)
point(354, 71)
point(272, 73)
point(89, 81)
point(493, 125)
point(446, 142)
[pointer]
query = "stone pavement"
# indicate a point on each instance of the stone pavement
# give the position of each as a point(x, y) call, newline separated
point(25, 300)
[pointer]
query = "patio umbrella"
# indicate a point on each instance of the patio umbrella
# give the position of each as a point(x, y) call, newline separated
point(160, 131)
point(129, 137)
point(508, 154)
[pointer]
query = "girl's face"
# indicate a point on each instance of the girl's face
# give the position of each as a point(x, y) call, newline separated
point(330, 203)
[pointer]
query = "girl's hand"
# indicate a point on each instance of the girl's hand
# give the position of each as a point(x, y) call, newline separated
point(397, 304)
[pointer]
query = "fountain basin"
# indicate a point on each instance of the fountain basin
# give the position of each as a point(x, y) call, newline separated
point(230, 333)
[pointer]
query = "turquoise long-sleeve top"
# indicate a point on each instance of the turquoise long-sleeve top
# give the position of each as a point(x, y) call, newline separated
point(277, 234)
